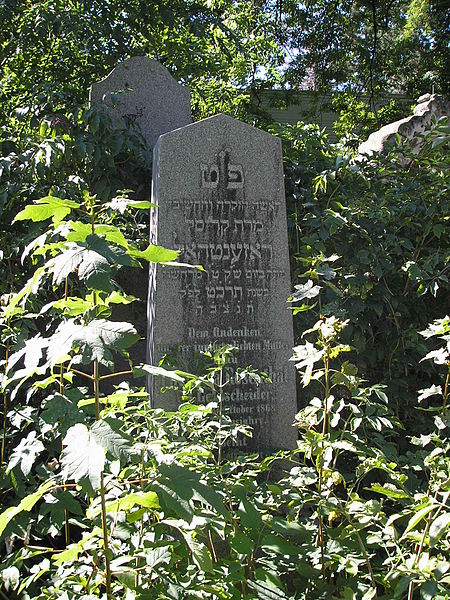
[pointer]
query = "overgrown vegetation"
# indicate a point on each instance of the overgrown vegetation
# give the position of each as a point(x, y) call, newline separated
point(104, 498)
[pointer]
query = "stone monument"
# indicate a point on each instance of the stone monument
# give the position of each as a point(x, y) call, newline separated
point(141, 91)
point(220, 191)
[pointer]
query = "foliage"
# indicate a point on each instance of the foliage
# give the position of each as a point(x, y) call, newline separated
point(371, 235)
point(367, 47)
point(103, 497)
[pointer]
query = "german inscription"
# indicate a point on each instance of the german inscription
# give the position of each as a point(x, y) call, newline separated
point(219, 187)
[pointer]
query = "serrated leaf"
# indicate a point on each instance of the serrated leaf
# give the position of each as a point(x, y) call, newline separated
point(125, 503)
point(46, 208)
point(91, 266)
point(25, 453)
point(108, 435)
point(82, 456)
point(92, 341)
point(37, 213)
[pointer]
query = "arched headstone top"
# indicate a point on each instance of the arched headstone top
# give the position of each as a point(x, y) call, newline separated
point(145, 93)
point(223, 123)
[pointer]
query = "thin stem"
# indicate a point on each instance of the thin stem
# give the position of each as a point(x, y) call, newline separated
point(320, 536)
point(96, 380)
point(102, 377)
point(445, 394)
point(81, 373)
point(5, 410)
point(366, 556)
point(219, 454)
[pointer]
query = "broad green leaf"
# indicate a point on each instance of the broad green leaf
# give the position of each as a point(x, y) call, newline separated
point(31, 287)
point(249, 516)
point(156, 254)
point(82, 456)
point(200, 552)
point(93, 341)
point(388, 490)
point(37, 213)
point(143, 499)
point(25, 453)
point(113, 254)
point(73, 551)
point(46, 208)
point(91, 266)
point(25, 505)
point(108, 435)
point(276, 543)
point(241, 543)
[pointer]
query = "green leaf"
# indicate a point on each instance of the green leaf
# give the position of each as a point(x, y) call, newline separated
point(156, 254)
point(418, 516)
point(92, 267)
point(82, 456)
point(438, 527)
point(200, 552)
point(266, 591)
point(250, 516)
point(31, 287)
point(276, 543)
point(388, 490)
point(143, 499)
point(46, 208)
point(92, 341)
point(25, 453)
point(141, 370)
point(73, 551)
point(26, 505)
point(241, 543)
point(108, 435)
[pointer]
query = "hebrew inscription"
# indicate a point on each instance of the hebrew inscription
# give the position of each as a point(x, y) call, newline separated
point(225, 210)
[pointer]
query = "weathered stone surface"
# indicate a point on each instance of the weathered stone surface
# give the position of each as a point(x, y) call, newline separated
point(428, 107)
point(220, 191)
point(148, 95)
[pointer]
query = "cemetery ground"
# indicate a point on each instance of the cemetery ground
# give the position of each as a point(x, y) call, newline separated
point(105, 497)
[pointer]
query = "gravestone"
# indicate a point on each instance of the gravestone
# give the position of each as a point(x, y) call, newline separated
point(140, 92)
point(145, 94)
point(220, 191)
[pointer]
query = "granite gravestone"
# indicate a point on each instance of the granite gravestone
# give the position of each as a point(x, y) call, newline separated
point(145, 94)
point(219, 187)
point(141, 93)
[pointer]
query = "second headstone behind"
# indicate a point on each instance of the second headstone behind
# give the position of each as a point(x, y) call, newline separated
point(145, 94)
